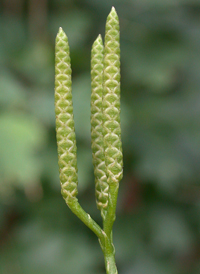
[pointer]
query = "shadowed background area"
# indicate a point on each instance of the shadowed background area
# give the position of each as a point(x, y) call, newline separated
point(157, 230)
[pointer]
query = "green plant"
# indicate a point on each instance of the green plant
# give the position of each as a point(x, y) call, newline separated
point(105, 131)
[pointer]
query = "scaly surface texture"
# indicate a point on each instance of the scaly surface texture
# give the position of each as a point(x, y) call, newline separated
point(111, 100)
point(101, 185)
point(65, 133)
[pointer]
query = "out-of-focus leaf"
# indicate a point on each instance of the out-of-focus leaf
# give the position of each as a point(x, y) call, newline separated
point(35, 64)
point(41, 104)
point(170, 232)
point(155, 66)
point(50, 167)
point(163, 166)
point(10, 28)
point(21, 139)
point(37, 250)
point(12, 92)
point(146, 264)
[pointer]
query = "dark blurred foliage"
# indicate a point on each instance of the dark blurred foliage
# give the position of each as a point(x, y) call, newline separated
point(157, 230)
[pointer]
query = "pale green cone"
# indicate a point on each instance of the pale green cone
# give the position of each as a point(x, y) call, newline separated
point(66, 139)
point(101, 185)
point(111, 100)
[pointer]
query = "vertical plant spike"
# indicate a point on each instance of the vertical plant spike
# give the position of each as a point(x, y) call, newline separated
point(111, 116)
point(66, 139)
point(101, 185)
point(65, 133)
point(112, 129)
point(111, 101)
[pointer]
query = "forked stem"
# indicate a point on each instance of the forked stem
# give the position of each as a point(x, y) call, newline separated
point(105, 132)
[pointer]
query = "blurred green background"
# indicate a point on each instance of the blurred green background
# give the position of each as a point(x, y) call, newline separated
point(157, 230)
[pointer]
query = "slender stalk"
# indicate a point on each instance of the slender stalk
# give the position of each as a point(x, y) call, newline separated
point(109, 257)
point(111, 116)
point(111, 130)
point(86, 219)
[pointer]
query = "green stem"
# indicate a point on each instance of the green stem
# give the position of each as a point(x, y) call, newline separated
point(86, 218)
point(105, 241)
point(111, 211)
point(109, 250)
point(110, 264)
point(109, 256)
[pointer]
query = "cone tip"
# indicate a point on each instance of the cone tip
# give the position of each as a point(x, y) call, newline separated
point(60, 30)
point(113, 11)
point(98, 40)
